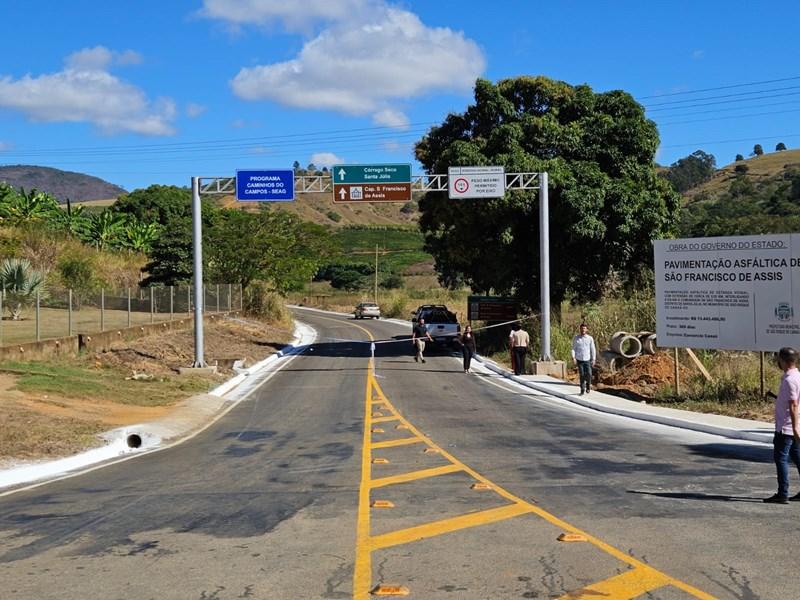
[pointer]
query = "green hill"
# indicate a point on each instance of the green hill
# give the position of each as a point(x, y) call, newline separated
point(760, 195)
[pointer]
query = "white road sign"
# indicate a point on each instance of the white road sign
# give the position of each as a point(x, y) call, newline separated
point(476, 182)
point(735, 293)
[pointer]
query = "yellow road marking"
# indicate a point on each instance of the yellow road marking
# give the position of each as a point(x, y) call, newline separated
point(412, 534)
point(617, 587)
point(384, 419)
point(400, 442)
point(414, 475)
point(626, 586)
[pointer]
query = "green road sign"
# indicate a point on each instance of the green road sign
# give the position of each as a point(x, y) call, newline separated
point(371, 174)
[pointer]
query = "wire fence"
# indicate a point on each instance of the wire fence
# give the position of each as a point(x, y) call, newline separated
point(61, 312)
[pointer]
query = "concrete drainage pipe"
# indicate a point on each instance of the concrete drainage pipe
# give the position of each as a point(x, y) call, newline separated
point(612, 361)
point(626, 344)
point(648, 341)
point(134, 440)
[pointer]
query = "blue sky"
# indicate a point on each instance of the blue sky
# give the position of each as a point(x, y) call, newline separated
point(141, 92)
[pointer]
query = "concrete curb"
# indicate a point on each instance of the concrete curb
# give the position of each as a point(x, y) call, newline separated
point(760, 435)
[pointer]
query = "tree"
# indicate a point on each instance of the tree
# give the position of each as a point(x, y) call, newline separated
point(606, 201)
point(780, 147)
point(156, 204)
point(311, 168)
point(757, 150)
point(273, 246)
point(691, 171)
point(20, 283)
point(105, 230)
point(739, 157)
point(139, 237)
point(743, 168)
point(296, 165)
point(171, 256)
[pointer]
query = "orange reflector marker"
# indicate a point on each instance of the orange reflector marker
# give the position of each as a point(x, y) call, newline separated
point(378, 430)
point(377, 414)
point(431, 451)
point(401, 426)
point(382, 504)
point(390, 590)
point(480, 486)
point(571, 537)
point(380, 461)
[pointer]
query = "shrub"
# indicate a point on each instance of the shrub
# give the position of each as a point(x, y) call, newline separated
point(263, 303)
point(334, 216)
point(20, 283)
point(77, 273)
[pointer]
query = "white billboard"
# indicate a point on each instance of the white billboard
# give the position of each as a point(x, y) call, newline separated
point(735, 293)
point(476, 182)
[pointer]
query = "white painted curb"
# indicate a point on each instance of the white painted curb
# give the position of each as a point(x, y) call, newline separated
point(204, 408)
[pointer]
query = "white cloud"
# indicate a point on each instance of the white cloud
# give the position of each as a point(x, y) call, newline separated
point(195, 110)
point(698, 54)
point(326, 159)
point(84, 91)
point(100, 58)
point(259, 150)
point(390, 118)
point(129, 57)
point(5, 146)
point(360, 67)
point(292, 16)
point(395, 146)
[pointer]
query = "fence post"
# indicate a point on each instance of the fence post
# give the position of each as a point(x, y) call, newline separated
point(205, 299)
point(217, 297)
point(102, 310)
point(38, 309)
point(230, 300)
point(171, 302)
point(152, 305)
point(189, 299)
point(2, 293)
point(129, 307)
point(241, 298)
point(69, 314)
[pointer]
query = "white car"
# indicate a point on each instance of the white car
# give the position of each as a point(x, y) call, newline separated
point(440, 322)
point(367, 309)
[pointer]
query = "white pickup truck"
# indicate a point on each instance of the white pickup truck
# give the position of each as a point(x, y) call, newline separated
point(440, 322)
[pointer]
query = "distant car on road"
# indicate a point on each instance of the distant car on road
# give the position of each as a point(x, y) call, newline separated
point(440, 322)
point(367, 309)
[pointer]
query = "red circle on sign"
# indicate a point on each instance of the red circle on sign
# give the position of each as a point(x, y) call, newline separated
point(461, 185)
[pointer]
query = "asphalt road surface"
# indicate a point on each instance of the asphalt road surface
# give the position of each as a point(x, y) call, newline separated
point(339, 475)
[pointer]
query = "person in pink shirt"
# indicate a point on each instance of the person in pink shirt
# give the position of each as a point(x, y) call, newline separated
point(786, 443)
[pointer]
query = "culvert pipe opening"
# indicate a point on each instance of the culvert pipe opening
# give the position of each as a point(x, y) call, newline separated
point(134, 440)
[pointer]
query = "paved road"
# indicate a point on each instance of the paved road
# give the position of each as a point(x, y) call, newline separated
point(273, 501)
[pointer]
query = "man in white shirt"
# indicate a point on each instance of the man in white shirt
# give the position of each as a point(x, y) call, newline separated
point(520, 340)
point(584, 354)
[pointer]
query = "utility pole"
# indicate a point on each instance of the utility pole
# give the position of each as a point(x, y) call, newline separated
point(376, 273)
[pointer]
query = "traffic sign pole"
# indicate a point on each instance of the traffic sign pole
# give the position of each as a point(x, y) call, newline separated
point(544, 264)
point(197, 244)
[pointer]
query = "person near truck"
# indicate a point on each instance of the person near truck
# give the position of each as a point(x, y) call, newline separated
point(584, 355)
point(467, 342)
point(520, 340)
point(786, 442)
point(418, 335)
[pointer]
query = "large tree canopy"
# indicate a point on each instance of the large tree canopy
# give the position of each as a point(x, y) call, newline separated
point(606, 201)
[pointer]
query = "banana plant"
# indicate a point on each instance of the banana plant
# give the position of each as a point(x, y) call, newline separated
point(105, 230)
point(21, 208)
point(19, 283)
point(139, 236)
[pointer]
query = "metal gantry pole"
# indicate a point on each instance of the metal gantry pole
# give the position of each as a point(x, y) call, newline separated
point(197, 240)
point(544, 264)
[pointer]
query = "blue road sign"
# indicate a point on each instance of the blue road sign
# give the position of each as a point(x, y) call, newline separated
point(275, 185)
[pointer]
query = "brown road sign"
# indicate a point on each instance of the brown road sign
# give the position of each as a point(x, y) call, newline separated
point(372, 192)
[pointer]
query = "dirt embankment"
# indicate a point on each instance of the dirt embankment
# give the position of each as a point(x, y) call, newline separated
point(50, 409)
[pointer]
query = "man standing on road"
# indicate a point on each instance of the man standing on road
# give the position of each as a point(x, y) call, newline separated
point(418, 335)
point(519, 342)
point(584, 354)
point(786, 443)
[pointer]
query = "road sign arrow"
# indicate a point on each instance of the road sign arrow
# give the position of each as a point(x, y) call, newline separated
point(342, 173)
point(342, 194)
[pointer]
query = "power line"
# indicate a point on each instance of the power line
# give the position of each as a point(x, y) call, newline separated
point(774, 112)
point(723, 87)
point(698, 101)
point(733, 141)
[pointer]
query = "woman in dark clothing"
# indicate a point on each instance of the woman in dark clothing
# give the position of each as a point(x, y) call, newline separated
point(467, 341)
